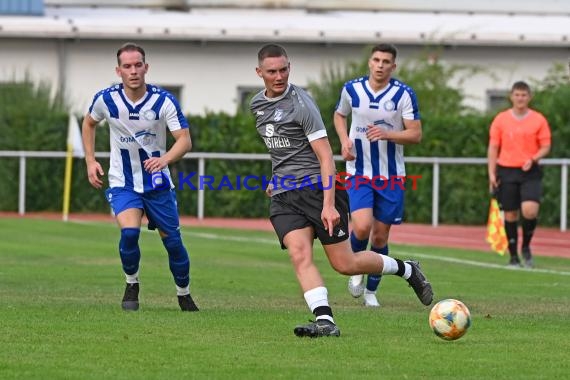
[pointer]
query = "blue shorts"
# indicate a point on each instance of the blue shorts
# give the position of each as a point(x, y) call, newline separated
point(384, 197)
point(160, 207)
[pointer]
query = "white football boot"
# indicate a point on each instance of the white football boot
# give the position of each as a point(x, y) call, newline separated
point(370, 299)
point(356, 285)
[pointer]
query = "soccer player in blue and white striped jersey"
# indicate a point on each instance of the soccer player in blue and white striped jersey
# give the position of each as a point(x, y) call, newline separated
point(385, 117)
point(139, 115)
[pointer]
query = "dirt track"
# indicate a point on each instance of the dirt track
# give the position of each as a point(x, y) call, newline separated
point(546, 242)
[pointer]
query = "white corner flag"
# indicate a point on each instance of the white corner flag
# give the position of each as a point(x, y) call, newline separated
point(74, 149)
point(74, 137)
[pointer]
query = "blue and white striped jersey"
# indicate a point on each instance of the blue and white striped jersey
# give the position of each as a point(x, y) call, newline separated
point(385, 109)
point(137, 132)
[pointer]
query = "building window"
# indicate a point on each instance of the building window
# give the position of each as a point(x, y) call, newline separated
point(497, 100)
point(244, 95)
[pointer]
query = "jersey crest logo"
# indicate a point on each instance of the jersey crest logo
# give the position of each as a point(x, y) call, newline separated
point(278, 114)
point(145, 137)
point(389, 105)
point(149, 115)
point(146, 140)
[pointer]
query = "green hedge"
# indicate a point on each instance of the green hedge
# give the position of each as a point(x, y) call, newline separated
point(30, 120)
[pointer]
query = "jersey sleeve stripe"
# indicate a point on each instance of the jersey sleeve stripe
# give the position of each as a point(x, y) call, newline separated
point(93, 102)
point(158, 105)
point(397, 96)
point(111, 106)
point(355, 100)
point(414, 100)
point(181, 118)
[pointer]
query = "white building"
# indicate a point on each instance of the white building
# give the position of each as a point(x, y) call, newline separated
point(205, 51)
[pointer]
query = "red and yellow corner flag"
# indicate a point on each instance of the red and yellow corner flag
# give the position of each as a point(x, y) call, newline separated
point(496, 235)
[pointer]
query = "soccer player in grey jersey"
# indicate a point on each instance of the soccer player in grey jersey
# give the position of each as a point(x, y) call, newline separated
point(305, 203)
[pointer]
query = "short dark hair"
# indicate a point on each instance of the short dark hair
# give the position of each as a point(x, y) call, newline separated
point(521, 86)
point(271, 50)
point(130, 46)
point(385, 48)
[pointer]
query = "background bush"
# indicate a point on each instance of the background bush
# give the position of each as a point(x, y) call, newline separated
point(30, 119)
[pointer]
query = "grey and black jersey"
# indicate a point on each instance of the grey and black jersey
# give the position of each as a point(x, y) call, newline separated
point(287, 124)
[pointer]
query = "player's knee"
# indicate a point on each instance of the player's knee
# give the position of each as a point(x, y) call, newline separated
point(343, 267)
point(129, 239)
point(300, 256)
point(173, 244)
point(344, 264)
point(172, 240)
point(379, 240)
point(361, 230)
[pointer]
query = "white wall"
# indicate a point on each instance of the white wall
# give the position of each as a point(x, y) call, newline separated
point(504, 66)
point(210, 73)
point(21, 58)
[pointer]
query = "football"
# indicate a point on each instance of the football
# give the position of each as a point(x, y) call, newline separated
point(450, 319)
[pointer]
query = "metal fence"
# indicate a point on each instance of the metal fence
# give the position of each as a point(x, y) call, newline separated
point(435, 162)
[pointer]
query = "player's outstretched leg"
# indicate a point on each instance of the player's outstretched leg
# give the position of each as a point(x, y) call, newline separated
point(419, 283)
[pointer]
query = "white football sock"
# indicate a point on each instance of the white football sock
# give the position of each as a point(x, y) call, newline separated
point(318, 297)
point(132, 278)
point(390, 265)
point(182, 291)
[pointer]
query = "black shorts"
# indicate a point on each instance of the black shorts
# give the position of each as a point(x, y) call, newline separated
point(516, 186)
point(300, 208)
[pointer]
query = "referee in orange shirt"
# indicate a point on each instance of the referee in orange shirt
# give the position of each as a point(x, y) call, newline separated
point(519, 137)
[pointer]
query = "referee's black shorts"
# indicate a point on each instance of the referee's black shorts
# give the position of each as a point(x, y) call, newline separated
point(300, 208)
point(516, 186)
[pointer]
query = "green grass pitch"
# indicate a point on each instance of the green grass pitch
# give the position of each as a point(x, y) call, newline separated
point(60, 318)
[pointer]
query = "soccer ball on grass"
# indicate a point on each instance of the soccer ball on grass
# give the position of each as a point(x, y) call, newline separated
point(450, 319)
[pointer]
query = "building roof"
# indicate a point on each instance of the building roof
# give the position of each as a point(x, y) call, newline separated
point(292, 25)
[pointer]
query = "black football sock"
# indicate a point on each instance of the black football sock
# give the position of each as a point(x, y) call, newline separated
point(528, 227)
point(512, 237)
point(323, 312)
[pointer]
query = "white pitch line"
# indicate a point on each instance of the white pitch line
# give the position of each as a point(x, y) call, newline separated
point(408, 253)
point(245, 239)
point(481, 264)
